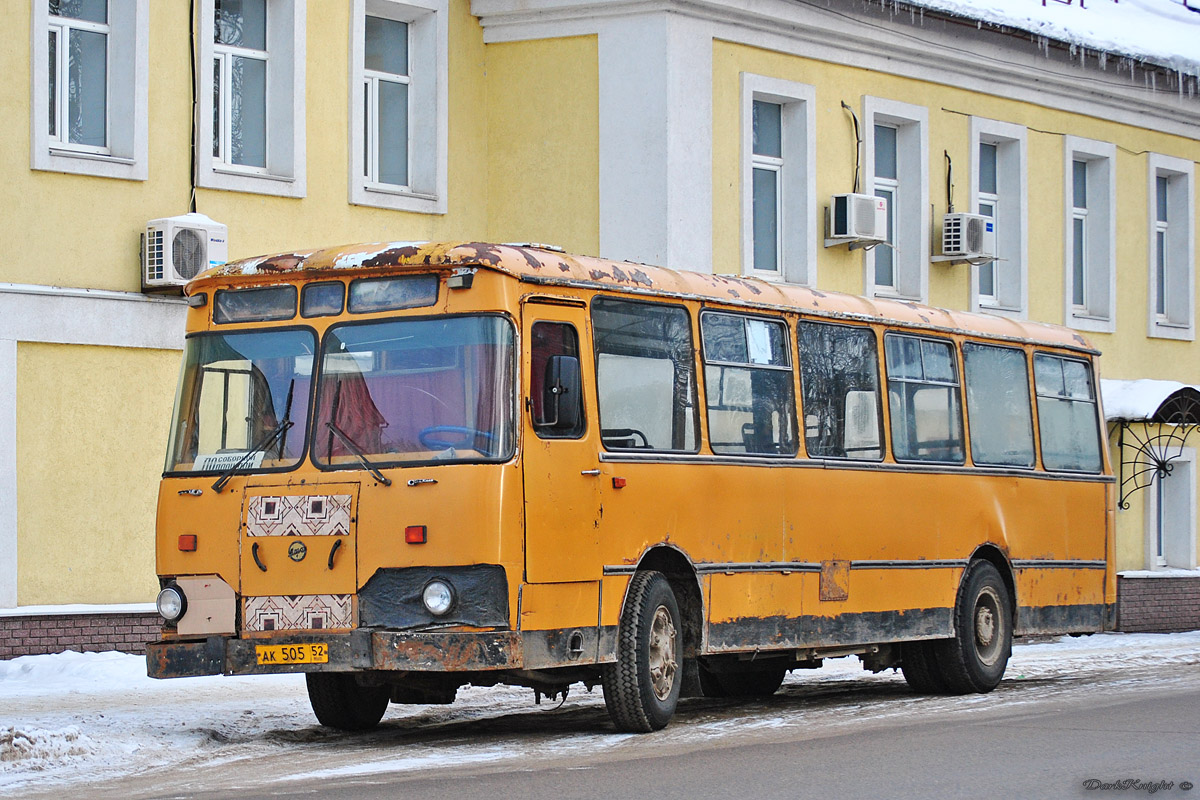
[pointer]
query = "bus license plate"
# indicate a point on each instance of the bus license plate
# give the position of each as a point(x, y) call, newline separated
point(311, 653)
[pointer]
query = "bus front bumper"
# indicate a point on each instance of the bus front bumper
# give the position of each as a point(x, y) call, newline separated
point(342, 652)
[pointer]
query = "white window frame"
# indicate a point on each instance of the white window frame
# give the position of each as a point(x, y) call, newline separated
point(126, 154)
point(225, 53)
point(428, 103)
point(1099, 311)
point(284, 174)
point(1185, 557)
point(797, 184)
point(1180, 233)
point(1011, 202)
point(911, 234)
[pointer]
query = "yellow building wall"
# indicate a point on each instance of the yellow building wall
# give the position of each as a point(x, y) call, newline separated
point(91, 434)
point(1129, 353)
point(104, 217)
point(543, 121)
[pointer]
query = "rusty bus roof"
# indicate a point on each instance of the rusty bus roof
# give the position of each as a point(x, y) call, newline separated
point(538, 265)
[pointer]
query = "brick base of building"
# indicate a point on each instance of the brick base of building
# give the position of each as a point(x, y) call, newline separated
point(38, 634)
point(1158, 605)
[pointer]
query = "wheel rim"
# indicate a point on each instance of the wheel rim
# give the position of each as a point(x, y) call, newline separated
point(662, 653)
point(989, 627)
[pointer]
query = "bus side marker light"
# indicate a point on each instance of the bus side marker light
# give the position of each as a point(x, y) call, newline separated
point(187, 542)
point(415, 534)
point(618, 483)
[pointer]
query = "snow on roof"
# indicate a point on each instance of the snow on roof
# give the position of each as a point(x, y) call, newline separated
point(1165, 32)
point(1137, 400)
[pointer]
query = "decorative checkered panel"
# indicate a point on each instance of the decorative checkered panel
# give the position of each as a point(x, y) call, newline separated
point(298, 515)
point(303, 612)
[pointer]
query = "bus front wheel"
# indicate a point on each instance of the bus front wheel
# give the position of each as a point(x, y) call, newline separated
point(975, 659)
point(339, 701)
point(641, 689)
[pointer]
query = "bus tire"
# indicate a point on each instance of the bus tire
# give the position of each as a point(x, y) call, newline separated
point(340, 702)
point(975, 659)
point(641, 689)
point(742, 683)
point(918, 662)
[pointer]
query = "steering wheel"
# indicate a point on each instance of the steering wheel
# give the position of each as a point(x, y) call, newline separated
point(435, 437)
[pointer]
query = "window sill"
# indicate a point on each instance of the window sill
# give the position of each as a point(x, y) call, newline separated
point(82, 162)
point(395, 199)
point(1179, 331)
point(105, 158)
point(250, 172)
point(230, 179)
point(1091, 322)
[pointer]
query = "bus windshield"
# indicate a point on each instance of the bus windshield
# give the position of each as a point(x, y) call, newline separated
point(406, 391)
point(242, 396)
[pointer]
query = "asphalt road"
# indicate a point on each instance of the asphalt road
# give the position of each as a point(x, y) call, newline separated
point(1046, 739)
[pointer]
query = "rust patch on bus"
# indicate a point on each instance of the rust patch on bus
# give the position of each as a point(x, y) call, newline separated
point(391, 256)
point(447, 652)
point(488, 254)
point(286, 262)
point(835, 580)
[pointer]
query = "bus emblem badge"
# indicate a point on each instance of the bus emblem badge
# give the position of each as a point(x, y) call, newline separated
point(297, 551)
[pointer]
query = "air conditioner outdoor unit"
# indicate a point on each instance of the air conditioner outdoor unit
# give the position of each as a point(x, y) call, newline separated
point(856, 218)
point(177, 249)
point(968, 236)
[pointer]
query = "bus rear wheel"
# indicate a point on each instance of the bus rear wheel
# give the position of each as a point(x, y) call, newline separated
point(641, 690)
point(918, 662)
point(339, 701)
point(975, 659)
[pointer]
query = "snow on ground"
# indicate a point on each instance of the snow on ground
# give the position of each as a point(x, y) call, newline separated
point(1164, 32)
point(95, 717)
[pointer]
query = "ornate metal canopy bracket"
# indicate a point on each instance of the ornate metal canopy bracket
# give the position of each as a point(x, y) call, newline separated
point(1150, 447)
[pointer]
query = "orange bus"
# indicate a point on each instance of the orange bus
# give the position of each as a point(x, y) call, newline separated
point(405, 468)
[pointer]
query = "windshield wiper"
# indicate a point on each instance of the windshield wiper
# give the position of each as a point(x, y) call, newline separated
point(357, 451)
point(268, 440)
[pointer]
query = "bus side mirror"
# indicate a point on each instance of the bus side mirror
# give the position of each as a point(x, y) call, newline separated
point(562, 395)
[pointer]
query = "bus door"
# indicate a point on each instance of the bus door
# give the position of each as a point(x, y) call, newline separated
point(562, 475)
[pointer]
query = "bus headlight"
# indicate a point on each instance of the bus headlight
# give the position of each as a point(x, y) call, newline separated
point(171, 603)
point(438, 597)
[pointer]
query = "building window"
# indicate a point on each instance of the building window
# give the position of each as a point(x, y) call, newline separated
point(250, 123)
point(79, 65)
point(398, 106)
point(897, 160)
point(1171, 515)
point(1172, 248)
point(89, 98)
point(1090, 235)
point(768, 194)
point(240, 62)
point(778, 184)
point(998, 161)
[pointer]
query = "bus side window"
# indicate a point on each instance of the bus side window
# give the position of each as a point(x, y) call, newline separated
point(748, 383)
point(1067, 419)
point(839, 381)
point(557, 413)
point(998, 408)
point(923, 399)
point(645, 375)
